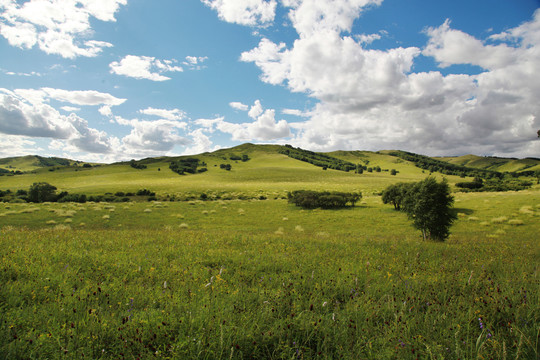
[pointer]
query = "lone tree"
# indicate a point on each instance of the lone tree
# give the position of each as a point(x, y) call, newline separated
point(429, 204)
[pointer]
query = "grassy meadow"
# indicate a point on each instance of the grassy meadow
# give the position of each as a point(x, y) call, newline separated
point(262, 279)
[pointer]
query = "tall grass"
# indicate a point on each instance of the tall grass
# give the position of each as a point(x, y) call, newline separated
point(354, 284)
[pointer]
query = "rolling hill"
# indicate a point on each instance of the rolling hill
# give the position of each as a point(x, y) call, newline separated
point(271, 170)
point(494, 163)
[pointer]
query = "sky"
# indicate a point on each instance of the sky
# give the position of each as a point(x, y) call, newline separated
point(111, 80)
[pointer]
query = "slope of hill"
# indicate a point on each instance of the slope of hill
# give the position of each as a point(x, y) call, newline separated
point(253, 169)
point(494, 163)
point(35, 162)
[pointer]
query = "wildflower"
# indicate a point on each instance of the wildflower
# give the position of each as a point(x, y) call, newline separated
point(480, 321)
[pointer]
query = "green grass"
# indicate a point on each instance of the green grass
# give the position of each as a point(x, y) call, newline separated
point(238, 279)
point(268, 173)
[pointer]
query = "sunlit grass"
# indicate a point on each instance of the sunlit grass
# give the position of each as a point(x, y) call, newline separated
point(266, 280)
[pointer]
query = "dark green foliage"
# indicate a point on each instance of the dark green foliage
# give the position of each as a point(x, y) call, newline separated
point(393, 172)
point(42, 192)
point(243, 158)
point(495, 184)
point(317, 159)
point(477, 183)
point(434, 165)
point(427, 203)
point(78, 198)
point(87, 166)
point(52, 161)
point(227, 167)
point(395, 194)
point(137, 165)
point(323, 199)
point(182, 166)
point(145, 192)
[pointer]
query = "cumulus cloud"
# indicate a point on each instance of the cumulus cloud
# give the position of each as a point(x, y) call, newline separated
point(144, 67)
point(263, 128)
point(148, 138)
point(201, 143)
point(244, 12)
point(372, 99)
point(312, 16)
point(56, 26)
point(12, 145)
point(30, 117)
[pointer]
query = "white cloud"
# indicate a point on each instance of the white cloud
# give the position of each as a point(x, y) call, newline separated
point(372, 99)
point(12, 145)
point(20, 116)
point(144, 67)
point(70, 109)
point(244, 12)
point(174, 114)
point(150, 138)
point(239, 106)
point(295, 112)
point(312, 16)
point(105, 110)
point(201, 143)
point(450, 46)
point(263, 128)
point(58, 27)
point(84, 97)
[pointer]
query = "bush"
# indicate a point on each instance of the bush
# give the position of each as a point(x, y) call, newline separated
point(326, 200)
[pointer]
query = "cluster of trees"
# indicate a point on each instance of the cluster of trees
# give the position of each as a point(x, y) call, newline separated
point(308, 199)
point(506, 184)
point(427, 203)
point(187, 165)
point(321, 160)
point(227, 167)
point(45, 192)
point(243, 158)
point(137, 165)
point(434, 165)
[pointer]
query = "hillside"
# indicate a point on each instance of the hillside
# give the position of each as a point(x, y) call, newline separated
point(268, 170)
point(35, 162)
point(494, 163)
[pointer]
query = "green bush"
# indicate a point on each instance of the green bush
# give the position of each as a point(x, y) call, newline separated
point(325, 200)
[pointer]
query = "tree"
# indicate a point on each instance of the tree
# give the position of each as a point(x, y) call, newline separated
point(395, 194)
point(42, 192)
point(429, 204)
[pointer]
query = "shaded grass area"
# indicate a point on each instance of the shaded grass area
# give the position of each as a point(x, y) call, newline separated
point(207, 280)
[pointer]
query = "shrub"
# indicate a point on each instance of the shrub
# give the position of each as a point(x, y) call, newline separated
point(308, 199)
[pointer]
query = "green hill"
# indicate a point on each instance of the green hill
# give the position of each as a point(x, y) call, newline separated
point(35, 162)
point(268, 170)
point(494, 163)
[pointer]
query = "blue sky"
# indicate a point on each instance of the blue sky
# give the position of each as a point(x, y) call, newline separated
point(108, 80)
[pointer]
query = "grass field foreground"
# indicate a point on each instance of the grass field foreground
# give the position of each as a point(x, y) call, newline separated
point(265, 280)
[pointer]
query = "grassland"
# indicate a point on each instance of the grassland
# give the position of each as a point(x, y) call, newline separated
point(262, 279)
point(265, 280)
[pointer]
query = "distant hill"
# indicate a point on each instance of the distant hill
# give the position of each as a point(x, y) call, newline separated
point(34, 162)
point(495, 163)
point(271, 170)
